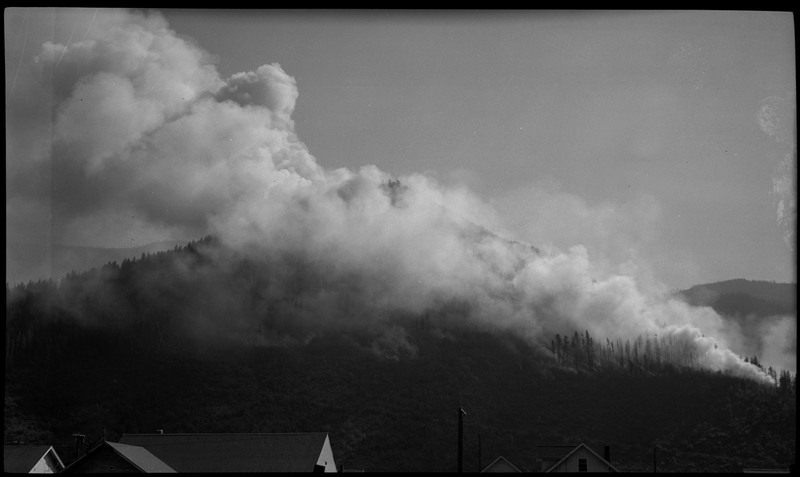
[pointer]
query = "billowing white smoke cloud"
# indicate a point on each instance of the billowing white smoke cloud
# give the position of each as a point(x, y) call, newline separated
point(619, 236)
point(779, 345)
point(148, 137)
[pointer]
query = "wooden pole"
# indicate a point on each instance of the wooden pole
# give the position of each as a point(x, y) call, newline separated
point(461, 415)
point(480, 466)
point(654, 459)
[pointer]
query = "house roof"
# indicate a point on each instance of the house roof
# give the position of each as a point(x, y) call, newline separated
point(284, 452)
point(141, 458)
point(579, 446)
point(499, 460)
point(21, 458)
point(138, 457)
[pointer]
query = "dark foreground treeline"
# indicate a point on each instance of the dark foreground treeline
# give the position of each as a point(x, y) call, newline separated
point(105, 352)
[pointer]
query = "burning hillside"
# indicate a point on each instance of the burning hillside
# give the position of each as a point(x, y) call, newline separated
point(149, 138)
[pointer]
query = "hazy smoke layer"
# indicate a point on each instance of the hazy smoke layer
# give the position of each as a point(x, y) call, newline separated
point(777, 119)
point(147, 138)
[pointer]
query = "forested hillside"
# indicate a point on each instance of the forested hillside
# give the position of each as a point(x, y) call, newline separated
point(141, 345)
point(744, 297)
point(67, 258)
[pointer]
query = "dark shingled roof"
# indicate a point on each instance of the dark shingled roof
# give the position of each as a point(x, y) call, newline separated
point(287, 452)
point(141, 458)
point(137, 457)
point(21, 458)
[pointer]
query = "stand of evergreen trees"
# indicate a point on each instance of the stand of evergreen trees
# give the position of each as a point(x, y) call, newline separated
point(655, 354)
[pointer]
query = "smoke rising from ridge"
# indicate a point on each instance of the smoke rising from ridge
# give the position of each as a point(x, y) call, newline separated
point(146, 137)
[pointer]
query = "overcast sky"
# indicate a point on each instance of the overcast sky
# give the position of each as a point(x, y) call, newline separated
point(663, 141)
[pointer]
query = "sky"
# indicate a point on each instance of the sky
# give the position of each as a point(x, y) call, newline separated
point(664, 142)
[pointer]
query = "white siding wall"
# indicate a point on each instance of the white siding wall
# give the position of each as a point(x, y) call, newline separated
point(326, 457)
point(500, 467)
point(593, 463)
point(42, 467)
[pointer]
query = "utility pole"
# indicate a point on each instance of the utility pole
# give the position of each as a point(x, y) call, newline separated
point(461, 414)
point(654, 458)
point(480, 466)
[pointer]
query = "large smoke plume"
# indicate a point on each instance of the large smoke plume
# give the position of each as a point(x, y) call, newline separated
point(145, 138)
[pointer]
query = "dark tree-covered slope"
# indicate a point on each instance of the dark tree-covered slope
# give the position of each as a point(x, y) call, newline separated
point(147, 344)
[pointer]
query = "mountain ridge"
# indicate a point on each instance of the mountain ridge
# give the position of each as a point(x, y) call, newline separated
point(147, 344)
point(741, 298)
point(784, 295)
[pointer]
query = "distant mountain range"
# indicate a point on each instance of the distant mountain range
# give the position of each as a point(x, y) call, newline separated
point(742, 297)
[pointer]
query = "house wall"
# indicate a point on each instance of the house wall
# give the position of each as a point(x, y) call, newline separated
point(500, 466)
point(48, 464)
point(593, 464)
point(326, 457)
point(42, 467)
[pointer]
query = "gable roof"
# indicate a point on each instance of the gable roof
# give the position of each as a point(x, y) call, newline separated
point(141, 458)
point(21, 458)
point(501, 460)
point(579, 446)
point(282, 452)
point(138, 457)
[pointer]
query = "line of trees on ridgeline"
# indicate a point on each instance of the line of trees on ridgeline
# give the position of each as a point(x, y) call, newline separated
point(648, 354)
